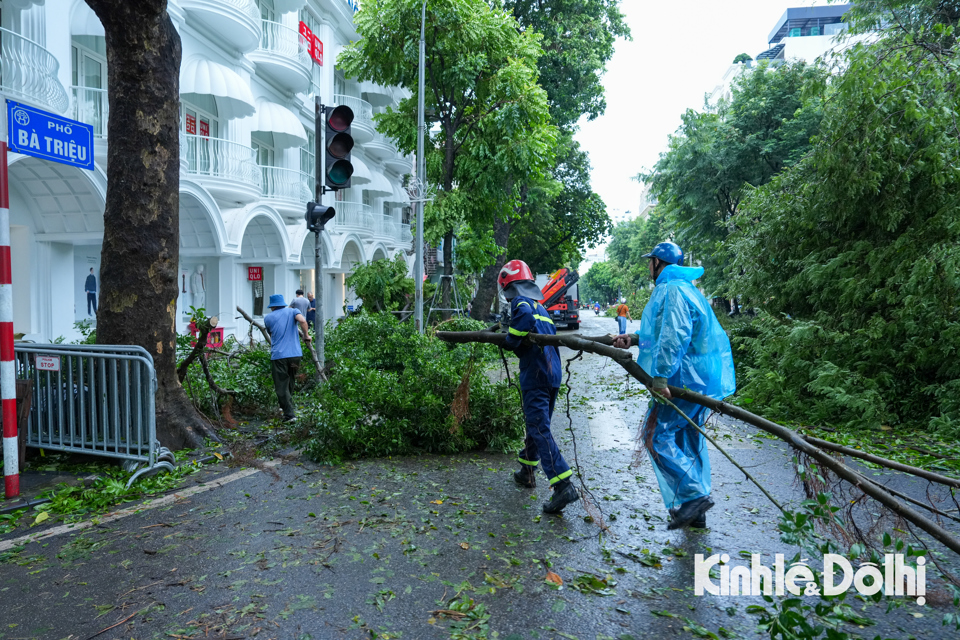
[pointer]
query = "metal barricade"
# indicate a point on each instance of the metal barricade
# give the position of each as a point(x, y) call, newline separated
point(94, 399)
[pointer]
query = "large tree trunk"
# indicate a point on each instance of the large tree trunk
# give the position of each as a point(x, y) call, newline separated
point(487, 290)
point(447, 271)
point(141, 237)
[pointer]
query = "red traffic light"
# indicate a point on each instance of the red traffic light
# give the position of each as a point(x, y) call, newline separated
point(340, 118)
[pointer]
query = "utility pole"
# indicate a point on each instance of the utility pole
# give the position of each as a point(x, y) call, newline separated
point(318, 321)
point(421, 176)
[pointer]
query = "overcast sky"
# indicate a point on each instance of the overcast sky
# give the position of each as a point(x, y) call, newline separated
point(679, 51)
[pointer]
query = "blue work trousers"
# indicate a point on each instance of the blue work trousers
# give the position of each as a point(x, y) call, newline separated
point(680, 456)
point(539, 446)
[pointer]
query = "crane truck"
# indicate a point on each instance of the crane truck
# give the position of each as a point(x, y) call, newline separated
point(560, 298)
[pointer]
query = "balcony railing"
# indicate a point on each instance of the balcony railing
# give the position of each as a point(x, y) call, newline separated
point(90, 106)
point(220, 159)
point(29, 72)
point(353, 216)
point(285, 184)
point(405, 234)
point(386, 227)
point(362, 110)
point(281, 40)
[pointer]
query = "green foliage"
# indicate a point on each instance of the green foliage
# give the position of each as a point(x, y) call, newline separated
point(88, 331)
point(383, 285)
point(392, 389)
point(246, 371)
point(743, 57)
point(716, 157)
point(859, 243)
point(599, 284)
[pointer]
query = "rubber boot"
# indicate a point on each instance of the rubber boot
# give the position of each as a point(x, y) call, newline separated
point(699, 523)
point(690, 512)
point(563, 494)
point(526, 477)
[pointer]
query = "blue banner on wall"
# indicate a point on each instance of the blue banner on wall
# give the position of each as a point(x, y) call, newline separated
point(41, 134)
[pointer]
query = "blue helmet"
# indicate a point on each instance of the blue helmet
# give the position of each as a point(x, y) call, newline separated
point(668, 252)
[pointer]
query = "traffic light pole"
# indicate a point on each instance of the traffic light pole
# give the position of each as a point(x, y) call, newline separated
point(318, 321)
point(421, 177)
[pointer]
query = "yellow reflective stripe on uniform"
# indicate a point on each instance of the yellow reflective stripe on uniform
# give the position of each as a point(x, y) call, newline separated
point(563, 476)
point(544, 318)
point(514, 332)
point(522, 302)
point(532, 463)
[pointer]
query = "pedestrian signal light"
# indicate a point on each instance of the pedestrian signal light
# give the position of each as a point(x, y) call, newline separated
point(338, 144)
point(317, 216)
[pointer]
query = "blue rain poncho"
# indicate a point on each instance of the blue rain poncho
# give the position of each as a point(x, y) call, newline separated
point(680, 340)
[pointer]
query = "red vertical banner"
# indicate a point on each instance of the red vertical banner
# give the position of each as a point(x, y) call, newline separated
point(307, 36)
point(191, 124)
point(205, 128)
point(317, 54)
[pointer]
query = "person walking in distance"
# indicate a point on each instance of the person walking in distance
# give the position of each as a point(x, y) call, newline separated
point(301, 304)
point(312, 310)
point(90, 287)
point(285, 352)
point(540, 376)
point(623, 312)
point(681, 344)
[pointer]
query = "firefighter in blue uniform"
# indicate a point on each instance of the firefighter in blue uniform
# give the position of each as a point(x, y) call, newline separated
point(540, 376)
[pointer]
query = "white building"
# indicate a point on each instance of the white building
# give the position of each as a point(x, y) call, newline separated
point(248, 80)
point(801, 33)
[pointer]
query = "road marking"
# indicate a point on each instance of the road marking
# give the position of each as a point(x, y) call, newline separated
point(123, 513)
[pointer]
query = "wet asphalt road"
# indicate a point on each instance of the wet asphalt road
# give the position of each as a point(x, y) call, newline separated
point(381, 548)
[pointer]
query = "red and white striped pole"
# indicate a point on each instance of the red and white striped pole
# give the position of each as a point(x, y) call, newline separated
point(8, 372)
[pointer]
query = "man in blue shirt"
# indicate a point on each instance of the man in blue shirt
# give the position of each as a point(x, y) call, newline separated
point(540, 376)
point(90, 287)
point(285, 352)
point(681, 344)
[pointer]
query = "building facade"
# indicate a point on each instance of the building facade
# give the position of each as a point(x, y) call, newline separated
point(249, 75)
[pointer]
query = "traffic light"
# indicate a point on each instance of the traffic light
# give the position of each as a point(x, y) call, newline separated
point(317, 216)
point(338, 144)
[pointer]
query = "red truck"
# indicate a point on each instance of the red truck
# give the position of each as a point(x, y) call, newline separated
point(560, 298)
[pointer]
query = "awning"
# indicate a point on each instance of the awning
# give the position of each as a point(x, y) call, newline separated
point(22, 4)
point(84, 22)
point(204, 77)
point(379, 187)
point(400, 197)
point(286, 127)
point(361, 173)
point(377, 95)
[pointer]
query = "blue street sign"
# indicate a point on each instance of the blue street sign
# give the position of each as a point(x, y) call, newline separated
point(46, 135)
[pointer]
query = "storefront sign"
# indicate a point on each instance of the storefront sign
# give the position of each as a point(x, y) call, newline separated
point(191, 124)
point(204, 129)
point(48, 363)
point(255, 274)
point(313, 44)
point(46, 135)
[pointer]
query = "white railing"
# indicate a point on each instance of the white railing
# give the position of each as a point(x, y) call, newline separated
point(362, 110)
point(405, 234)
point(281, 40)
point(352, 216)
point(285, 184)
point(90, 106)
point(220, 159)
point(386, 227)
point(29, 72)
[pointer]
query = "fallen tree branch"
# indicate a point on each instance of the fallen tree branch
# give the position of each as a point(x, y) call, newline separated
point(625, 359)
point(210, 381)
point(203, 327)
point(258, 325)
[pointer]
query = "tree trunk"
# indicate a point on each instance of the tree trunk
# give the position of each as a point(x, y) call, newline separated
point(447, 271)
point(141, 237)
point(487, 290)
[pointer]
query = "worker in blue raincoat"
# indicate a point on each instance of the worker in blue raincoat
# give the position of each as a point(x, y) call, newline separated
point(681, 344)
point(540, 376)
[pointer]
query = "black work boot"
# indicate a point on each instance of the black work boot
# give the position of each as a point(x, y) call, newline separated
point(699, 523)
point(526, 477)
point(563, 494)
point(690, 512)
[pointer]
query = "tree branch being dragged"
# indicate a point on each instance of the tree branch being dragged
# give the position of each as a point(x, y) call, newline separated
point(602, 345)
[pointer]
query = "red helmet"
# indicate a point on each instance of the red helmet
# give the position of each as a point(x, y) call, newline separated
point(516, 279)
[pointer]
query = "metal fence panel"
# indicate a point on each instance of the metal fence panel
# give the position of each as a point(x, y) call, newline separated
point(94, 399)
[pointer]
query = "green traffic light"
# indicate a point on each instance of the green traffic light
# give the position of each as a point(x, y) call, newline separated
point(339, 172)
